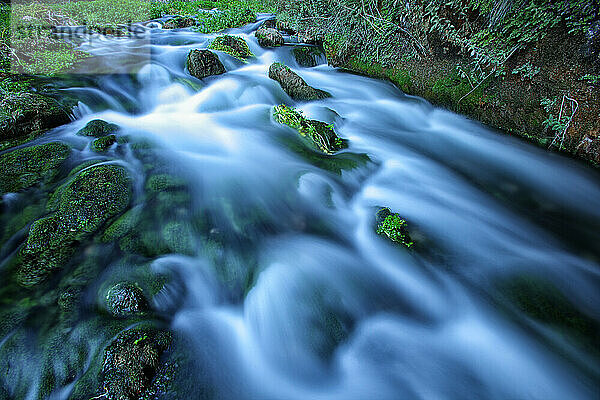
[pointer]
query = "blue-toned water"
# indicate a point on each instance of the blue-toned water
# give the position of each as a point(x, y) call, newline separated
point(299, 298)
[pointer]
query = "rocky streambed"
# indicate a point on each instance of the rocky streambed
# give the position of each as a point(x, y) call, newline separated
point(225, 216)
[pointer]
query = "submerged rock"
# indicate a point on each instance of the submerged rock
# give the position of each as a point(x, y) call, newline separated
point(83, 205)
point(179, 22)
point(321, 135)
point(102, 144)
point(294, 85)
point(269, 37)
point(132, 364)
point(25, 113)
point(393, 226)
point(98, 128)
point(306, 56)
point(232, 45)
point(203, 63)
point(25, 167)
point(124, 299)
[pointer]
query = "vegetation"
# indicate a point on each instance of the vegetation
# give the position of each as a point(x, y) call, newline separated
point(393, 227)
point(320, 134)
point(232, 45)
point(493, 60)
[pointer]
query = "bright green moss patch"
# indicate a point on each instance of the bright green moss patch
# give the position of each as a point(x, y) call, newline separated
point(83, 205)
point(123, 225)
point(23, 168)
point(393, 227)
point(102, 144)
point(98, 128)
point(232, 45)
point(321, 135)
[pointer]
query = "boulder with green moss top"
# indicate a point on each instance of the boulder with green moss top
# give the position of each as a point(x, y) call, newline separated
point(541, 301)
point(320, 134)
point(179, 23)
point(233, 45)
point(84, 204)
point(24, 113)
point(25, 167)
point(307, 56)
point(164, 182)
point(203, 63)
point(124, 224)
point(102, 144)
point(269, 37)
point(294, 85)
point(132, 364)
point(98, 128)
point(125, 299)
point(394, 227)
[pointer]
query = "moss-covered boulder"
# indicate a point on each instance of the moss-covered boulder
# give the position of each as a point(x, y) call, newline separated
point(98, 128)
point(124, 224)
point(321, 135)
point(164, 182)
point(125, 299)
point(233, 45)
point(179, 23)
point(25, 167)
point(84, 204)
point(24, 113)
point(132, 364)
point(393, 226)
point(203, 63)
point(541, 301)
point(294, 85)
point(102, 144)
point(269, 37)
point(307, 56)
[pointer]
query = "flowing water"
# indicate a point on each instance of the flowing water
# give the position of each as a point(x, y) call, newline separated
point(289, 293)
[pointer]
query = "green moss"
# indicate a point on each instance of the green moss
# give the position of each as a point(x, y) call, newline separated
point(179, 237)
point(102, 144)
point(84, 204)
point(132, 362)
point(124, 224)
point(307, 56)
point(399, 77)
point(98, 128)
point(23, 168)
point(232, 45)
point(393, 227)
point(541, 300)
point(163, 182)
point(125, 299)
point(320, 134)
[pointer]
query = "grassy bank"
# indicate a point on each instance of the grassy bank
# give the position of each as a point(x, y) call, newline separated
point(530, 68)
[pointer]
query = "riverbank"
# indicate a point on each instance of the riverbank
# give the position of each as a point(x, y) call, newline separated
point(527, 69)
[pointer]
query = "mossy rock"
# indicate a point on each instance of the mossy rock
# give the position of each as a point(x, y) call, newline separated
point(125, 299)
point(179, 23)
point(163, 182)
point(394, 227)
point(24, 113)
point(92, 197)
point(232, 45)
point(269, 37)
point(204, 63)
point(25, 167)
point(98, 128)
point(124, 224)
point(542, 301)
point(294, 85)
point(179, 237)
point(321, 135)
point(102, 144)
point(307, 56)
point(132, 362)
